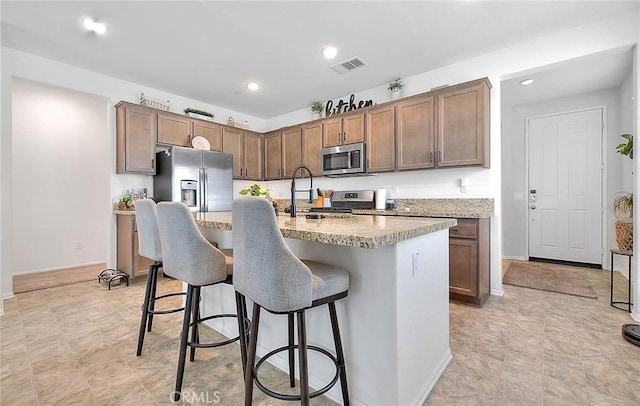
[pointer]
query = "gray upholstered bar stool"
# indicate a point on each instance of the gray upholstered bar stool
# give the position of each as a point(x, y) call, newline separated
point(268, 273)
point(189, 257)
point(149, 247)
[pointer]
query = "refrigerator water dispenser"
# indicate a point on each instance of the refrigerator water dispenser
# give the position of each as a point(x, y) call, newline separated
point(188, 191)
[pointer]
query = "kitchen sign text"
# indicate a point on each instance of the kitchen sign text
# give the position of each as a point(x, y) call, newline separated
point(343, 106)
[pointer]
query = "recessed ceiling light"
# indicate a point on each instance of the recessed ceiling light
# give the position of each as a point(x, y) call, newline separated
point(329, 52)
point(91, 25)
point(526, 82)
point(253, 86)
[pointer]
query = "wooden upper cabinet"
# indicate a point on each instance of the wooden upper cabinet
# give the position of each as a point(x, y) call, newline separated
point(253, 151)
point(347, 129)
point(291, 150)
point(174, 129)
point(232, 143)
point(415, 133)
point(273, 156)
point(135, 139)
point(380, 139)
point(211, 131)
point(312, 146)
point(463, 125)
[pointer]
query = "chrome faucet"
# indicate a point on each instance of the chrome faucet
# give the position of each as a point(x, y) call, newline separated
point(293, 188)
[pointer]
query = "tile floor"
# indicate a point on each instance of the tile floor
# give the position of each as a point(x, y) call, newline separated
point(76, 345)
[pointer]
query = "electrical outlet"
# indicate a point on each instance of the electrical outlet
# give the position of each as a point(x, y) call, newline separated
point(77, 245)
point(415, 267)
point(394, 190)
point(463, 189)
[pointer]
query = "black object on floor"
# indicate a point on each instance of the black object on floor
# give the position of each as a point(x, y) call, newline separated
point(109, 276)
point(631, 332)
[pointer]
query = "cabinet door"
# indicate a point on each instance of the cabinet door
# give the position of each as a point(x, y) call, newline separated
point(252, 156)
point(414, 132)
point(353, 128)
point(291, 150)
point(311, 147)
point(174, 130)
point(128, 258)
point(331, 132)
point(136, 133)
point(463, 266)
point(212, 132)
point(381, 131)
point(232, 144)
point(273, 156)
point(461, 125)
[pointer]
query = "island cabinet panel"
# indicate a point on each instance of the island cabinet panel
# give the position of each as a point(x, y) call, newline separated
point(253, 150)
point(291, 150)
point(232, 143)
point(135, 139)
point(469, 267)
point(273, 156)
point(212, 132)
point(174, 129)
point(415, 133)
point(463, 125)
point(128, 259)
point(347, 129)
point(380, 139)
point(312, 146)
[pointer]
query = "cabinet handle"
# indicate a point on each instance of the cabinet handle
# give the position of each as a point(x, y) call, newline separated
point(153, 164)
point(430, 156)
point(439, 155)
point(338, 136)
point(344, 136)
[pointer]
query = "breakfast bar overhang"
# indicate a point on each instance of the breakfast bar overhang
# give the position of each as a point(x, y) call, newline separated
point(395, 321)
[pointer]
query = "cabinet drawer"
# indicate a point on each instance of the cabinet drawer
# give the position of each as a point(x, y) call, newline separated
point(466, 228)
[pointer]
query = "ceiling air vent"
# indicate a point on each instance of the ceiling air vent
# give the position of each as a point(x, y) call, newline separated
point(348, 65)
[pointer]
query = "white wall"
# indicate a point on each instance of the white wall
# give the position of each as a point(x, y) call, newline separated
point(514, 178)
point(60, 177)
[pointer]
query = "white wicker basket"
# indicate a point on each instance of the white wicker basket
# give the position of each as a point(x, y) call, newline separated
point(154, 103)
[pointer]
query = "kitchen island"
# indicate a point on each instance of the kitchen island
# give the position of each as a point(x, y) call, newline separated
point(395, 321)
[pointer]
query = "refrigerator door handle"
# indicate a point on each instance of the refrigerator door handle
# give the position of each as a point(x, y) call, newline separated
point(204, 195)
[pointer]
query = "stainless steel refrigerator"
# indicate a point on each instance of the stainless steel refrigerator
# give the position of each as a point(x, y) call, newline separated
point(201, 179)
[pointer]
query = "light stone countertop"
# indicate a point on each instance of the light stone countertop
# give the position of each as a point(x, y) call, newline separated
point(353, 231)
point(124, 212)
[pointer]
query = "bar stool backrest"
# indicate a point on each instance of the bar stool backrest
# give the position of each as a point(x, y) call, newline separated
point(265, 269)
point(187, 255)
point(148, 237)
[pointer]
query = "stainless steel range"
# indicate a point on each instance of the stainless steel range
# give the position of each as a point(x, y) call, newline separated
point(353, 199)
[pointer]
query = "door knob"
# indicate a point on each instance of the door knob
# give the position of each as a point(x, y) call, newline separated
point(533, 207)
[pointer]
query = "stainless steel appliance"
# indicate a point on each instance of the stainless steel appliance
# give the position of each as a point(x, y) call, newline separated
point(203, 180)
point(344, 160)
point(354, 199)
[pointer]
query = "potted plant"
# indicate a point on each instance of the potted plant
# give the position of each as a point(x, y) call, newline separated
point(255, 190)
point(395, 86)
point(201, 114)
point(622, 208)
point(626, 148)
point(316, 109)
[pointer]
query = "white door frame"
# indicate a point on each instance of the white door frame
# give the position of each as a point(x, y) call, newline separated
point(603, 177)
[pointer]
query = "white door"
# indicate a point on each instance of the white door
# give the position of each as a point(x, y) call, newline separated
point(565, 186)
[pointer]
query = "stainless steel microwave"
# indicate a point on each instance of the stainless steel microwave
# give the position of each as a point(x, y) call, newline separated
point(344, 159)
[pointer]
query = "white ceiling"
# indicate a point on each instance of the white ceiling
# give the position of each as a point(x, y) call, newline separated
point(210, 50)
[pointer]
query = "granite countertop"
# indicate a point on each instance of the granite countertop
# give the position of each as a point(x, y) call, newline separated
point(353, 231)
point(124, 212)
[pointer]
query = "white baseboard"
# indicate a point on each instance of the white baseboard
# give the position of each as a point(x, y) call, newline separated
point(497, 292)
point(9, 295)
point(57, 268)
point(431, 381)
point(635, 315)
point(516, 258)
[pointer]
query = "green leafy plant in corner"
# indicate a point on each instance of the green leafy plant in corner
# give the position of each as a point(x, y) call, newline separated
point(196, 111)
point(626, 148)
point(254, 190)
point(317, 107)
point(623, 205)
point(396, 85)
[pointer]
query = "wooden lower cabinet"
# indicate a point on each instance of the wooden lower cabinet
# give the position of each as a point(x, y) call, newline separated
point(129, 260)
point(469, 264)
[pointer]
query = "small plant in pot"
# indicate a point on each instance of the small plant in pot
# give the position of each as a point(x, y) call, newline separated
point(395, 86)
point(622, 208)
point(316, 109)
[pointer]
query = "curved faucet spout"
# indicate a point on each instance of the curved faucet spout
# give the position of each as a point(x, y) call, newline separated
point(293, 187)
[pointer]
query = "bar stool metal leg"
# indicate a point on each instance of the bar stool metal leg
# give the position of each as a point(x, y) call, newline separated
point(195, 333)
point(251, 356)
point(302, 354)
point(241, 309)
point(183, 343)
point(339, 353)
point(146, 316)
point(154, 286)
point(292, 378)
